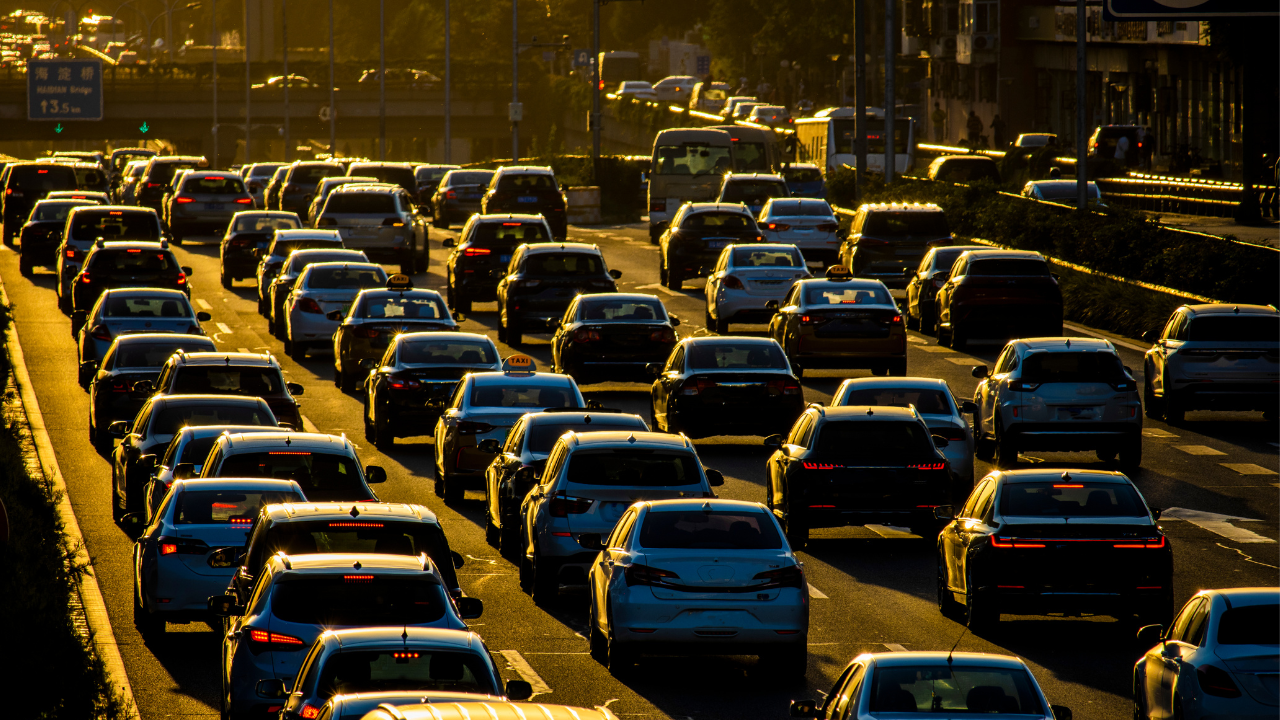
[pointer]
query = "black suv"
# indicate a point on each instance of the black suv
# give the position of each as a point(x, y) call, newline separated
point(458, 196)
point(691, 245)
point(127, 264)
point(887, 239)
point(483, 252)
point(25, 185)
point(542, 279)
point(156, 179)
point(526, 189)
point(393, 173)
point(299, 181)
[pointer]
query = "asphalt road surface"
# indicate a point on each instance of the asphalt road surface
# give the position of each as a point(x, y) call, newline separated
point(872, 588)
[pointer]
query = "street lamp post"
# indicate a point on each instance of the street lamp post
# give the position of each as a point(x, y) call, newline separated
point(333, 110)
point(382, 80)
point(284, 34)
point(448, 109)
point(248, 118)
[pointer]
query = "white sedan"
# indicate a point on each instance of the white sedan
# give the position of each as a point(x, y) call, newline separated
point(321, 289)
point(807, 223)
point(697, 575)
point(638, 89)
point(746, 278)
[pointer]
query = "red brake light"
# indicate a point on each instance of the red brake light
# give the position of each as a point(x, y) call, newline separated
point(84, 278)
point(928, 466)
point(244, 201)
point(732, 282)
point(309, 712)
point(100, 332)
point(41, 172)
point(350, 524)
point(270, 638)
point(791, 576)
point(829, 227)
point(585, 335)
point(71, 253)
point(1147, 545)
point(181, 199)
point(785, 386)
point(168, 548)
point(451, 194)
point(998, 542)
point(369, 333)
point(663, 335)
point(563, 506)
point(822, 466)
point(696, 385)
point(182, 278)
point(357, 579)
point(658, 206)
point(399, 382)
point(308, 305)
point(476, 252)
point(1215, 681)
point(779, 226)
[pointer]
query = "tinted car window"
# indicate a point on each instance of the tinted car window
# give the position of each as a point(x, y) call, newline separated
point(633, 468)
point(358, 599)
point(753, 191)
point(563, 264)
point(308, 176)
point(1072, 367)
point(942, 689)
point(836, 295)
point(358, 671)
point(1235, 328)
point(333, 278)
point(906, 223)
point(717, 221)
point(53, 212)
point(715, 530)
point(622, 310)
point(450, 352)
point(736, 356)
point(207, 507)
point(397, 308)
point(297, 263)
point(543, 436)
point(323, 476)
point(163, 172)
point(266, 224)
point(155, 354)
point(1071, 499)
point(1250, 625)
point(514, 395)
point(801, 208)
point(887, 443)
point(401, 176)
point(114, 225)
point(470, 178)
point(132, 261)
point(748, 257)
point(285, 248)
point(172, 419)
point(122, 307)
point(251, 381)
point(508, 234)
point(32, 178)
point(527, 182)
point(1007, 266)
point(803, 175)
point(362, 203)
point(213, 185)
point(932, 402)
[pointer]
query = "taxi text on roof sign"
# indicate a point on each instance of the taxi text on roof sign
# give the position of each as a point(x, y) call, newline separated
point(63, 90)
point(838, 272)
point(518, 365)
point(399, 281)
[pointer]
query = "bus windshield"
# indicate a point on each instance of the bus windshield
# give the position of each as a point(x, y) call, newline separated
point(691, 159)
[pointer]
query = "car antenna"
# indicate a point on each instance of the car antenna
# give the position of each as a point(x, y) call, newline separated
point(953, 647)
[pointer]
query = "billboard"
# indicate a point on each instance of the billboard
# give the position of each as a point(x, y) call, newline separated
point(1122, 10)
point(63, 90)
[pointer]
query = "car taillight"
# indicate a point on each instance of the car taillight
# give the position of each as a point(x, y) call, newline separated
point(477, 252)
point(784, 386)
point(637, 574)
point(732, 282)
point(999, 542)
point(309, 712)
point(583, 335)
point(1021, 386)
point(811, 319)
point(307, 305)
point(829, 227)
point(400, 382)
point(893, 320)
point(84, 278)
point(182, 278)
point(277, 641)
point(71, 253)
point(791, 576)
point(809, 465)
point(564, 506)
point(952, 434)
point(696, 385)
point(778, 227)
point(928, 466)
point(1215, 681)
point(183, 200)
point(470, 427)
point(658, 206)
point(239, 242)
point(451, 194)
point(663, 335)
point(528, 283)
point(393, 222)
point(326, 222)
point(941, 242)
point(872, 242)
point(100, 332)
point(121, 386)
point(244, 201)
point(181, 546)
point(1146, 544)
point(368, 333)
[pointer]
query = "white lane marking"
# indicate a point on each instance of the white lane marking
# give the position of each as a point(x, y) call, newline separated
point(914, 339)
point(1158, 433)
point(1198, 450)
point(663, 288)
point(1114, 341)
point(486, 560)
point(968, 361)
point(894, 647)
point(204, 304)
point(224, 328)
point(889, 531)
point(522, 667)
point(937, 349)
point(308, 425)
point(816, 593)
point(1217, 524)
point(1248, 469)
point(243, 350)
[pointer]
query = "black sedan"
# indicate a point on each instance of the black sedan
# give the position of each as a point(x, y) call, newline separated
point(612, 336)
point(853, 466)
point(690, 247)
point(377, 316)
point(483, 252)
point(458, 196)
point(42, 233)
point(541, 281)
point(725, 386)
point(248, 235)
point(1047, 541)
point(923, 282)
point(124, 264)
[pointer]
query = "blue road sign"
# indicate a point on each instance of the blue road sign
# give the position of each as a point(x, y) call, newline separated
point(63, 90)
point(703, 65)
point(1122, 10)
point(582, 58)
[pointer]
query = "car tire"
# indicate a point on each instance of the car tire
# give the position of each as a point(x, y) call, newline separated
point(492, 534)
point(654, 235)
point(928, 325)
point(707, 320)
point(1152, 405)
point(117, 510)
point(880, 370)
point(1006, 449)
point(149, 626)
point(913, 323)
point(957, 338)
point(347, 381)
point(226, 280)
point(408, 261)
point(984, 448)
point(947, 604)
point(1130, 454)
point(1174, 412)
point(25, 266)
point(940, 336)
point(980, 613)
point(546, 579)
point(722, 327)
point(461, 303)
point(673, 280)
point(383, 438)
point(622, 659)
point(453, 490)
point(526, 574)
point(510, 331)
point(796, 528)
point(176, 239)
point(599, 643)
point(368, 427)
point(653, 415)
point(509, 539)
point(262, 306)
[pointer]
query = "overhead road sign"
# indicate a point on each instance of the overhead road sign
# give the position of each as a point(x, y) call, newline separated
point(1122, 10)
point(63, 90)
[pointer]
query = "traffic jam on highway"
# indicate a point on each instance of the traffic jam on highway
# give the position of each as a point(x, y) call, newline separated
point(742, 462)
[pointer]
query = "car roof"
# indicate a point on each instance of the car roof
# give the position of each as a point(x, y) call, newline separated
point(135, 245)
point(1224, 309)
point(288, 512)
point(237, 443)
point(621, 296)
point(307, 234)
point(753, 176)
point(526, 170)
point(895, 382)
point(860, 283)
point(352, 637)
point(309, 252)
point(442, 336)
point(489, 379)
point(870, 413)
point(736, 339)
point(212, 173)
point(728, 207)
point(804, 166)
point(257, 484)
point(537, 418)
point(1066, 344)
point(367, 187)
point(239, 359)
point(265, 214)
point(411, 292)
point(203, 431)
point(377, 164)
point(143, 292)
point(900, 207)
point(1004, 254)
point(702, 503)
point(763, 246)
point(207, 399)
point(502, 710)
point(114, 208)
point(495, 217)
point(965, 659)
point(1245, 596)
point(160, 337)
point(629, 438)
point(1057, 475)
point(365, 563)
point(548, 247)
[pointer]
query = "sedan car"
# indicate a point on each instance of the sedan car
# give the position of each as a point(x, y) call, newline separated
point(380, 704)
point(746, 279)
point(375, 318)
point(126, 265)
point(458, 195)
point(752, 190)
point(321, 289)
point(280, 246)
point(885, 239)
point(484, 406)
point(999, 294)
point(229, 373)
point(426, 179)
point(1035, 542)
point(529, 190)
point(923, 282)
point(206, 203)
point(1062, 191)
point(691, 245)
point(128, 311)
point(256, 177)
point(964, 169)
point(282, 285)
point(42, 233)
point(172, 578)
point(326, 466)
point(933, 399)
point(612, 336)
point(85, 226)
point(805, 180)
point(482, 253)
point(636, 89)
point(1217, 659)
point(725, 556)
point(837, 321)
point(542, 279)
point(294, 188)
point(183, 459)
point(381, 220)
point(248, 234)
point(675, 89)
point(810, 225)
point(325, 187)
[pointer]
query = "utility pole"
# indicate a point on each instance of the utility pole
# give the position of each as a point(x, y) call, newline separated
point(333, 108)
point(214, 10)
point(594, 119)
point(284, 31)
point(248, 86)
point(448, 108)
point(515, 112)
point(1082, 170)
point(382, 80)
point(860, 90)
point(890, 102)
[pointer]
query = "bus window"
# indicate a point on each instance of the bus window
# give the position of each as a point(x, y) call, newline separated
point(750, 157)
point(691, 160)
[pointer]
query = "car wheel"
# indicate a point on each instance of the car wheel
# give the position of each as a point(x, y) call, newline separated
point(64, 304)
point(492, 534)
point(1152, 405)
point(24, 265)
point(957, 337)
point(880, 370)
point(708, 321)
point(662, 271)
point(984, 448)
point(347, 381)
point(980, 613)
point(673, 281)
point(461, 303)
point(1006, 448)
point(622, 659)
point(1131, 454)
point(513, 334)
point(177, 239)
point(337, 376)
point(226, 280)
point(368, 426)
point(526, 573)
point(453, 489)
point(85, 375)
point(599, 643)
point(262, 306)
point(928, 325)
point(653, 416)
point(407, 261)
point(1105, 454)
point(654, 235)
point(722, 326)
point(383, 438)
point(1174, 412)
point(546, 579)
point(947, 604)
point(796, 527)
point(117, 509)
point(509, 538)
point(148, 625)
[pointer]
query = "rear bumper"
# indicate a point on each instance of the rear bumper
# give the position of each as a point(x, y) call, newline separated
point(1006, 320)
point(1042, 601)
point(762, 418)
point(1075, 436)
point(1220, 395)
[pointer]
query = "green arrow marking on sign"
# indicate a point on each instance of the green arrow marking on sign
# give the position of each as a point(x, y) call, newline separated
point(58, 129)
point(144, 127)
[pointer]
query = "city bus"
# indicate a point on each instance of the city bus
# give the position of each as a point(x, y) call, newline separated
point(827, 139)
point(688, 166)
point(755, 149)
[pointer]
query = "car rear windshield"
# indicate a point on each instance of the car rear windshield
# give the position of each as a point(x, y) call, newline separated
point(42, 178)
point(213, 185)
point(150, 307)
point(447, 352)
point(263, 170)
point(542, 437)
point(1250, 625)
point(296, 264)
point(342, 278)
point(638, 467)
point(360, 203)
point(507, 234)
point(54, 211)
point(800, 208)
point(173, 418)
point(469, 178)
point(862, 442)
point(527, 182)
point(518, 395)
point(805, 175)
point(358, 535)
point(323, 476)
point(692, 158)
point(753, 192)
point(736, 356)
point(563, 263)
point(266, 224)
point(90, 178)
point(115, 225)
point(407, 668)
point(829, 294)
point(401, 308)
point(1235, 328)
point(309, 175)
point(695, 529)
point(401, 176)
point(163, 172)
point(622, 311)
point(888, 224)
point(1072, 367)
point(359, 599)
point(197, 451)
point(228, 380)
point(718, 221)
point(1008, 266)
point(946, 689)
point(751, 257)
point(926, 400)
point(137, 355)
point(219, 507)
point(285, 248)
point(427, 175)
point(1071, 498)
point(131, 261)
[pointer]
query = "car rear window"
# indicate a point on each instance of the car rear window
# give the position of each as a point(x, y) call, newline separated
point(1008, 266)
point(309, 175)
point(829, 294)
point(875, 442)
point(800, 208)
point(153, 307)
point(944, 689)
point(803, 175)
point(266, 224)
point(1072, 367)
point(54, 211)
point(401, 308)
point(163, 172)
point(285, 248)
point(227, 380)
point(136, 355)
point(173, 418)
point(360, 203)
point(219, 507)
point(517, 395)
point(115, 225)
point(213, 185)
point(297, 263)
point(1235, 328)
point(323, 476)
point(469, 178)
point(1071, 498)
point(131, 261)
point(736, 356)
point(259, 171)
point(753, 192)
point(507, 234)
point(751, 257)
point(358, 535)
point(562, 263)
point(695, 529)
point(718, 221)
point(450, 352)
point(634, 467)
point(1250, 625)
point(926, 400)
point(622, 311)
point(401, 176)
point(542, 437)
point(359, 599)
point(692, 158)
point(882, 224)
point(527, 182)
point(408, 668)
point(343, 278)
point(46, 178)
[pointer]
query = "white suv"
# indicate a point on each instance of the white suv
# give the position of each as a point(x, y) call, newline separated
point(1214, 357)
point(1058, 394)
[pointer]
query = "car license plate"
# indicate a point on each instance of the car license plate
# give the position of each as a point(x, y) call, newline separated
point(718, 244)
point(1076, 413)
point(213, 206)
point(504, 258)
point(803, 230)
point(527, 199)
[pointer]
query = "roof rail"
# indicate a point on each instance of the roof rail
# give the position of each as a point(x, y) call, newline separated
point(284, 558)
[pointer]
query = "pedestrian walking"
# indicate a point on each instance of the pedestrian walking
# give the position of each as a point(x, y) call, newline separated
point(975, 128)
point(998, 132)
point(939, 120)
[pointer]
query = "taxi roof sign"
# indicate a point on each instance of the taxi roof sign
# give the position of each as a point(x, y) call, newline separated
point(838, 272)
point(399, 281)
point(518, 365)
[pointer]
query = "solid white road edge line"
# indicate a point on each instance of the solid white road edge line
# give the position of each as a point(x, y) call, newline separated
point(815, 593)
point(95, 607)
point(526, 671)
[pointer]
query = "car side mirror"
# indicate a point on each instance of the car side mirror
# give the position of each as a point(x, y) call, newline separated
point(334, 315)
point(944, 512)
point(294, 388)
point(594, 405)
point(804, 709)
point(448, 242)
point(908, 273)
point(615, 273)
point(654, 369)
point(940, 442)
point(470, 608)
point(1149, 336)
point(968, 407)
point(272, 688)
point(459, 318)
point(490, 446)
point(142, 387)
point(773, 442)
point(675, 321)
point(132, 523)
point(715, 478)
point(118, 429)
point(519, 690)
point(1155, 513)
point(591, 541)
point(182, 471)
point(771, 305)
point(374, 474)
point(455, 557)
point(1061, 712)
point(187, 269)
point(224, 558)
point(368, 364)
point(1150, 634)
point(224, 606)
point(203, 316)
point(980, 371)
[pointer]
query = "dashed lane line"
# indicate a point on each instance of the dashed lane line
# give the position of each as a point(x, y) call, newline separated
point(894, 647)
point(966, 361)
point(224, 329)
point(889, 531)
point(1217, 524)
point(1248, 469)
point(816, 594)
point(914, 339)
point(662, 288)
point(1157, 433)
point(525, 671)
point(937, 349)
point(204, 304)
point(1198, 450)
point(243, 350)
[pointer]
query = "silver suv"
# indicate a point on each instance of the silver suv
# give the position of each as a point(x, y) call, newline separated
point(380, 219)
point(1058, 394)
point(1214, 357)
